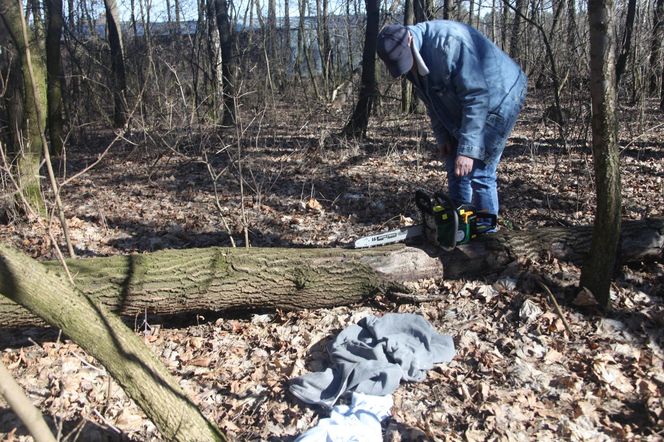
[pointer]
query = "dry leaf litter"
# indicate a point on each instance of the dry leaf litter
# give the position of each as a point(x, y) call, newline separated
point(518, 374)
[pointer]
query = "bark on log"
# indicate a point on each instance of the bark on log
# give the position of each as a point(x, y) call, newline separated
point(217, 279)
point(104, 336)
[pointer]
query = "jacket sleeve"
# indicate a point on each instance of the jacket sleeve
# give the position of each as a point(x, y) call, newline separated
point(439, 131)
point(470, 87)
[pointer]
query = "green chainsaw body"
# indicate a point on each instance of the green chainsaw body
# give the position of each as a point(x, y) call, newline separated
point(447, 224)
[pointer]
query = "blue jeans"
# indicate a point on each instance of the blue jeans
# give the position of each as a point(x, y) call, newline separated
point(479, 188)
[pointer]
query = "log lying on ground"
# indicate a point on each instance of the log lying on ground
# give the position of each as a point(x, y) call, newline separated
point(217, 279)
point(104, 336)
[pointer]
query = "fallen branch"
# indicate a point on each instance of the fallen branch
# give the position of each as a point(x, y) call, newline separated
point(556, 307)
point(105, 337)
point(23, 407)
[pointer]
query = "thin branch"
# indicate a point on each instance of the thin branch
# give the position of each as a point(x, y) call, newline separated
point(557, 307)
point(19, 192)
point(23, 407)
point(47, 155)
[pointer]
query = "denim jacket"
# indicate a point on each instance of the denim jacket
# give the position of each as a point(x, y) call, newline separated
point(471, 84)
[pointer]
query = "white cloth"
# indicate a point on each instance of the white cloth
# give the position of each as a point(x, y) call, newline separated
point(359, 422)
point(422, 68)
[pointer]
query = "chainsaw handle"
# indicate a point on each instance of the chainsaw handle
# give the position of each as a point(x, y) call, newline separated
point(445, 201)
point(426, 204)
point(423, 201)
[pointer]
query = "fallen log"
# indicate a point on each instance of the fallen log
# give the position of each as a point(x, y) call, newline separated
point(217, 279)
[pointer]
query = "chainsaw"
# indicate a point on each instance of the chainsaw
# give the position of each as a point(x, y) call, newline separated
point(444, 224)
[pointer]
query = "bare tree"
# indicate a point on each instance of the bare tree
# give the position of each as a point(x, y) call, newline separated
point(324, 43)
point(503, 25)
point(656, 46)
point(626, 44)
point(447, 7)
point(424, 10)
point(117, 62)
point(598, 268)
point(54, 67)
point(661, 102)
point(515, 41)
point(270, 40)
point(555, 79)
point(227, 79)
point(287, 33)
point(407, 102)
point(177, 16)
point(214, 62)
point(26, 122)
point(359, 120)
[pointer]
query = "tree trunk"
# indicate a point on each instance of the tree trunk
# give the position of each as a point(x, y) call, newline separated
point(54, 67)
point(286, 48)
point(117, 63)
point(503, 25)
point(515, 40)
point(626, 45)
point(132, 19)
point(424, 10)
point(176, 5)
point(550, 56)
point(219, 279)
point(349, 38)
point(656, 47)
point(572, 45)
point(359, 121)
point(302, 50)
point(328, 55)
point(572, 42)
point(324, 44)
point(214, 60)
point(447, 6)
point(26, 120)
point(406, 86)
point(494, 11)
point(301, 5)
point(104, 336)
point(271, 33)
point(599, 267)
point(227, 79)
point(145, 7)
point(661, 97)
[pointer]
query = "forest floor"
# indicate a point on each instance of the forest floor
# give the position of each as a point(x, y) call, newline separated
point(517, 374)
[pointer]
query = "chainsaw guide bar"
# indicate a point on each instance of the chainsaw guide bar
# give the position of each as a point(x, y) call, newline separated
point(390, 237)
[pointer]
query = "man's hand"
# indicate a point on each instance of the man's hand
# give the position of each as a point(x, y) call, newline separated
point(463, 165)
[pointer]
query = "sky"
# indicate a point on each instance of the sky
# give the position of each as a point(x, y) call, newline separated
point(189, 9)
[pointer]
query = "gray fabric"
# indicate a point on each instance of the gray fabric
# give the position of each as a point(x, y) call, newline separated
point(373, 356)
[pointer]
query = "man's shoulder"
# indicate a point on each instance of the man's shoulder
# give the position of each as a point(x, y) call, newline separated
point(445, 28)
